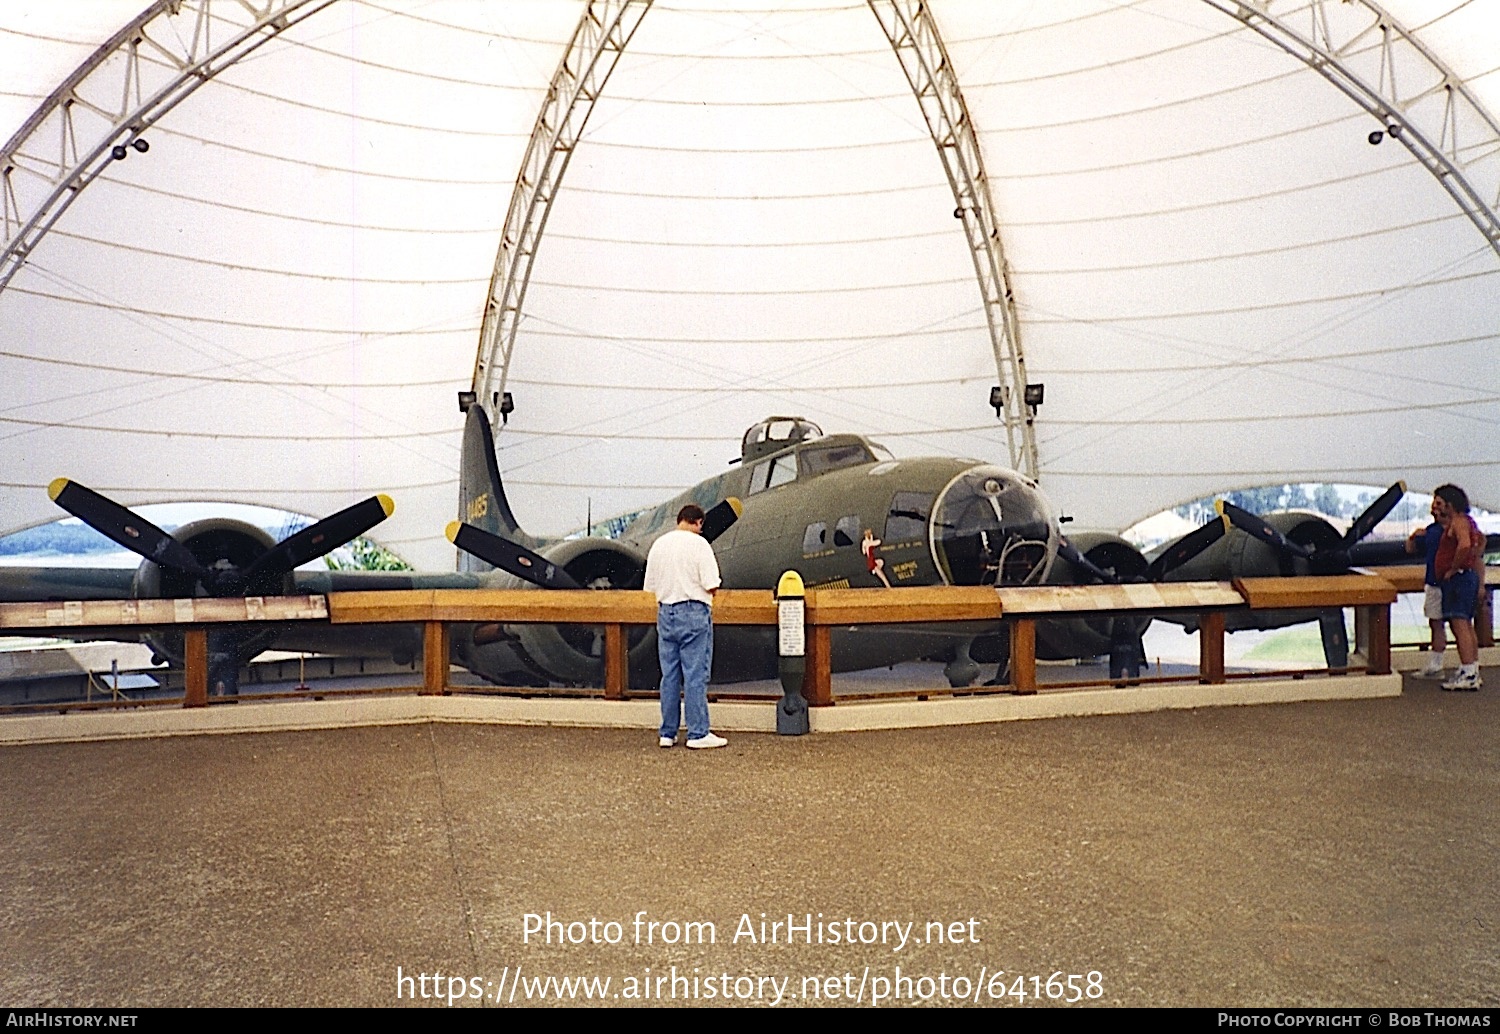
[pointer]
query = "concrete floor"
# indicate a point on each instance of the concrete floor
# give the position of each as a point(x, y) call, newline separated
point(1339, 853)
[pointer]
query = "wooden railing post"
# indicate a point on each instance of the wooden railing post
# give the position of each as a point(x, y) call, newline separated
point(1211, 647)
point(817, 685)
point(434, 658)
point(616, 662)
point(1023, 656)
point(1377, 622)
point(195, 668)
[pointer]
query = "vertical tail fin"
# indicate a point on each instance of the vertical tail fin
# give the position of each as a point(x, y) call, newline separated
point(481, 496)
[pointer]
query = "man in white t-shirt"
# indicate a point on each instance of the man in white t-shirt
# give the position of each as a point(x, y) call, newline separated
point(683, 573)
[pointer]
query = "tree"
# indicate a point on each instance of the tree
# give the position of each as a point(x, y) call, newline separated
point(1326, 499)
point(364, 555)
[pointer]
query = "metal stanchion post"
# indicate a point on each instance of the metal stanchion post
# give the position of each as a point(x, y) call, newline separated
point(791, 649)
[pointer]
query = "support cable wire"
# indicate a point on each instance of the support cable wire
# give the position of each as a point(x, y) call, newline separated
point(309, 396)
point(345, 333)
point(761, 13)
point(342, 278)
point(300, 382)
point(1216, 420)
point(297, 217)
point(1231, 310)
point(1169, 396)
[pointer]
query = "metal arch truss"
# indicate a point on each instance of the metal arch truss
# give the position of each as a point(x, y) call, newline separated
point(590, 58)
point(914, 36)
point(102, 109)
point(1388, 72)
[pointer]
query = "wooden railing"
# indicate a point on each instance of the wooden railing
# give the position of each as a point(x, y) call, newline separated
point(437, 610)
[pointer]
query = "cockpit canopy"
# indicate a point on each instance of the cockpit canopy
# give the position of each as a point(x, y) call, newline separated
point(775, 433)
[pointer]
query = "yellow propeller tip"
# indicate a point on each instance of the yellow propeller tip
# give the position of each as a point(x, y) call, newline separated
point(386, 503)
point(737, 506)
point(56, 488)
point(452, 530)
point(1219, 507)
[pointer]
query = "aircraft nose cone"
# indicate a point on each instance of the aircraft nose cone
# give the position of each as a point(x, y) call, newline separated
point(992, 526)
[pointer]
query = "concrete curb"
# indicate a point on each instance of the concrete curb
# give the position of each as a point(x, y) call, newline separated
point(644, 714)
point(1411, 660)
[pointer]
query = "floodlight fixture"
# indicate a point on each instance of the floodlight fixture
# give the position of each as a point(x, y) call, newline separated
point(998, 396)
point(1034, 395)
point(507, 406)
point(467, 399)
point(1375, 137)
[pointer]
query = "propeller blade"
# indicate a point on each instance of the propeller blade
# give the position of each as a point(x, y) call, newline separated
point(719, 520)
point(509, 557)
point(1335, 638)
point(1187, 547)
point(324, 537)
point(114, 521)
point(1067, 551)
point(1255, 527)
point(1374, 513)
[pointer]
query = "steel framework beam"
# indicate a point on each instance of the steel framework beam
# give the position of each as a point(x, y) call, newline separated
point(1388, 72)
point(918, 45)
point(590, 58)
point(99, 112)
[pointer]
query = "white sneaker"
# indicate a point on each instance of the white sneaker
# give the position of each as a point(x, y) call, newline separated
point(665, 741)
point(1433, 669)
point(1463, 682)
point(707, 742)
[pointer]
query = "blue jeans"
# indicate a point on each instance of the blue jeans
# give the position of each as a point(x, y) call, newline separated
point(685, 646)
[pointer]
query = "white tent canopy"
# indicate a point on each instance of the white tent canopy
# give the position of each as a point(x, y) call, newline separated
point(1219, 280)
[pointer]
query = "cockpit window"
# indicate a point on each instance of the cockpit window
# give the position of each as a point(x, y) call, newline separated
point(773, 472)
point(833, 457)
point(908, 517)
point(813, 539)
point(774, 434)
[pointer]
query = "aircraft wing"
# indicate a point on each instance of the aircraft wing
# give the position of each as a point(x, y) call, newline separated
point(49, 584)
point(1388, 553)
point(39, 584)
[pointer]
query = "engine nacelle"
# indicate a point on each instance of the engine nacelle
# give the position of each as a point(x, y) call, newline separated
point(1238, 555)
point(1088, 637)
point(214, 542)
point(575, 653)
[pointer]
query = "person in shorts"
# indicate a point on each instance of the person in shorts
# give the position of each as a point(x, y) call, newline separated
point(1425, 541)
